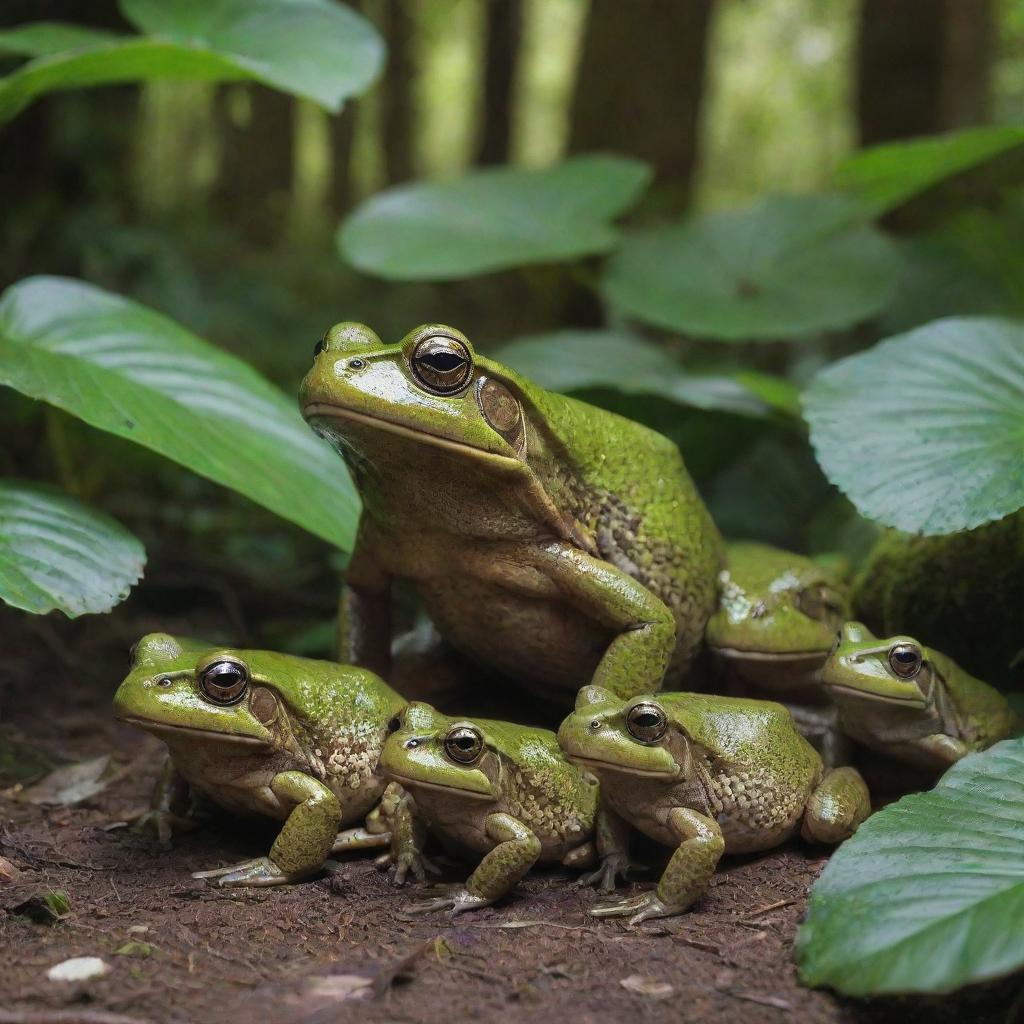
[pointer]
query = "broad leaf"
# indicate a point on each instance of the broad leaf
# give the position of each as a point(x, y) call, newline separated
point(130, 371)
point(317, 49)
point(884, 177)
point(574, 360)
point(929, 894)
point(58, 554)
point(925, 431)
point(788, 266)
point(492, 219)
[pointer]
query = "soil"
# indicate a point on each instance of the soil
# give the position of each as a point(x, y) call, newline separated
point(342, 947)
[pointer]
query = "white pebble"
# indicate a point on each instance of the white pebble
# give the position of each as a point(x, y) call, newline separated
point(78, 968)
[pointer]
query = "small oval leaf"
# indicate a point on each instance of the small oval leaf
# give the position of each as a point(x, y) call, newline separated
point(493, 219)
point(925, 431)
point(58, 554)
point(929, 894)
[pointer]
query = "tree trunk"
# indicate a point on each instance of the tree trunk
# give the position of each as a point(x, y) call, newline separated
point(640, 85)
point(922, 67)
point(503, 37)
point(396, 103)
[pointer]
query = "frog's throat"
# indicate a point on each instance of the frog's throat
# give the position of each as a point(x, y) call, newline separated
point(614, 766)
point(225, 737)
point(337, 412)
point(411, 783)
point(739, 653)
point(866, 694)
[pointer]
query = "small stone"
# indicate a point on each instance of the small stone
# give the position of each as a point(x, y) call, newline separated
point(78, 968)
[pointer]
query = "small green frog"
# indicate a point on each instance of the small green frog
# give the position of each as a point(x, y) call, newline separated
point(492, 788)
point(911, 702)
point(261, 733)
point(777, 618)
point(549, 540)
point(707, 775)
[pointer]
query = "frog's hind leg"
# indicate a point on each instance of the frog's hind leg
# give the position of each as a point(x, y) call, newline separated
point(837, 807)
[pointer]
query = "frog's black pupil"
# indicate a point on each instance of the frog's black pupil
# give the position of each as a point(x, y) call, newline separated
point(906, 657)
point(442, 362)
point(465, 742)
point(647, 720)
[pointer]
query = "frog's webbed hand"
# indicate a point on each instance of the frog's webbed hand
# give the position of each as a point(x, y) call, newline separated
point(835, 809)
point(686, 877)
point(364, 612)
point(636, 660)
point(407, 835)
point(517, 851)
point(302, 845)
point(168, 805)
point(612, 833)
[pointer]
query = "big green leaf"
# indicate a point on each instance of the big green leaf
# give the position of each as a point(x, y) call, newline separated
point(788, 266)
point(58, 554)
point(492, 219)
point(137, 374)
point(574, 360)
point(317, 49)
point(883, 177)
point(925, 431)
point(929, 894)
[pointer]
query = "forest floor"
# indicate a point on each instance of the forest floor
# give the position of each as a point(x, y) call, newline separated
point(342, 947)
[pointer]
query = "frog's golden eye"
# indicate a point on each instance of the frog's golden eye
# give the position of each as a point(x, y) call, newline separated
point(646, 722)
point(225, 681)
point(463, 744)
point(905, 660)
point(442, 365)
point(823, 604)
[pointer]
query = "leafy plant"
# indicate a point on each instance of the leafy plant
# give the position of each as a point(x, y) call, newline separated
point(929, 894)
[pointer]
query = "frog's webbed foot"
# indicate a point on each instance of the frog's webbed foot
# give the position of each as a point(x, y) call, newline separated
point(162, 825)
point(455, 898)
point(637, 908)
point(261, 871)
point(608, 872)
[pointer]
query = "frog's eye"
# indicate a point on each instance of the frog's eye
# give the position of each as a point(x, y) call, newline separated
point(905, 660)
point(823, 604)
point(442, 365)
point(646, 722)
point(463, 744)
point(225, 681)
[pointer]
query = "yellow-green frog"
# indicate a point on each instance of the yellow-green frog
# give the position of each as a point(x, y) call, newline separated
point(707, 775)
point(493, 788)
point(911, 702)
point(547, 539)
point(267, 734)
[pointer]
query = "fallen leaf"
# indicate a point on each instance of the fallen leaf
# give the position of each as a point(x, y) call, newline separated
point(70, 784)
point(138, 929)
point(650, 987)
point(78, 968)
point(136, 949)
point(339, 988)
point(45, 907)
point(7, 870)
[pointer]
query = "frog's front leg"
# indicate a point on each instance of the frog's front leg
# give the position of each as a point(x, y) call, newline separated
point(636, 660)
point(406, 835)
point(302, 845)
point(686, 877)
point(364, 613)
point(168, 805)
point(517, 851)
point(947, 750)
point(612, 835)
point(836, 807)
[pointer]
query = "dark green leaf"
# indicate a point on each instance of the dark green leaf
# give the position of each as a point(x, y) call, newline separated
point(929, 894)
point(573, 360)
point(789, 266)
point(132, 372)
point(925, 432)
point(492, 219)
point(58, 554)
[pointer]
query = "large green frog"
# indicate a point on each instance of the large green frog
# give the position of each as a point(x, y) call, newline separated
point(497, 789)
point(911, 702)
point(262, 733)
point(547, 539)
point(706, 775)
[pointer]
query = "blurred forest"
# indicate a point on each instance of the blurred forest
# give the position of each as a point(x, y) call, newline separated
point(218, 205)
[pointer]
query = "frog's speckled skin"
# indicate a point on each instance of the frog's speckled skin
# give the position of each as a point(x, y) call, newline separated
point(300, 745)
point(930, 719)
point(547, 539)
point(777, 618)
point(518, 802)
point(727, 774)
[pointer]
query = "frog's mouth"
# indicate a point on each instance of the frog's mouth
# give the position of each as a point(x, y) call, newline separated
point(226, 737)
point(324, 410)
point(738, 654)
point(412, 783)
point(616, 766)
point(870, 695)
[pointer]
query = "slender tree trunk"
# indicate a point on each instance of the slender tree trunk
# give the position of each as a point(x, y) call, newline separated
point(504, 24)
point(640, 85)
point(396, 101)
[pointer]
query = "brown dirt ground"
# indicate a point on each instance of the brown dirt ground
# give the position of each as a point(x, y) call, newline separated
point(276, 954)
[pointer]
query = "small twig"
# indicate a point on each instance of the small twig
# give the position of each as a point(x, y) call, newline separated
point(768, 908)
point(66, 1017)
point(708, 947)
point(775, 1002)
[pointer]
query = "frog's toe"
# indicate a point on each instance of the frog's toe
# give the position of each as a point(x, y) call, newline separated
point(162, 825)
point(261, 871)
point(605, 877)
point(415, 863)
point(622, 907)
point(454, 898)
